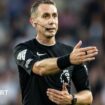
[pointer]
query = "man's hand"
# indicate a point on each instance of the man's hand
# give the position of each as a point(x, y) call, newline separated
point(80, 55)
point(59, 97)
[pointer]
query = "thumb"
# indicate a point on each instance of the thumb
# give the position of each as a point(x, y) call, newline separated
point(64, 87)
point(78, 45)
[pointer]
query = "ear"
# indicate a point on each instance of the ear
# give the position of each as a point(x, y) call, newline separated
point(33, 22)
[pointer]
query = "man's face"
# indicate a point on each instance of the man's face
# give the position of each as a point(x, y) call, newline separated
point(47, 20)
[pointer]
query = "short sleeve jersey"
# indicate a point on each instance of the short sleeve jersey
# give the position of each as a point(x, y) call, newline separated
point(33, 86)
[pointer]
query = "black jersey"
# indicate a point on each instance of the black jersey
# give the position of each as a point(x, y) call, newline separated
point(33, 86)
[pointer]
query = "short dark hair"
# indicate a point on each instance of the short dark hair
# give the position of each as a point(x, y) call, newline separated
point(36, 4)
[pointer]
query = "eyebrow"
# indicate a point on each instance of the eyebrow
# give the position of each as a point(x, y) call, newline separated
point(46, 13)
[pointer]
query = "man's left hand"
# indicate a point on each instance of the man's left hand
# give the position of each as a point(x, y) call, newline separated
point(59, 97)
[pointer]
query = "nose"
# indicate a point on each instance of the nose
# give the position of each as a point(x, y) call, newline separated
point(51, 20)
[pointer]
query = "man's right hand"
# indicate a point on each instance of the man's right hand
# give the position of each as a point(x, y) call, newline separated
point(80, 55)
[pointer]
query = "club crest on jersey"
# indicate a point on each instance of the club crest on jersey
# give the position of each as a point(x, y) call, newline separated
point(21, 55)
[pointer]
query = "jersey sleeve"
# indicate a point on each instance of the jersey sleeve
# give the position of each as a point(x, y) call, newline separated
point(24, 57)
point(80, 78)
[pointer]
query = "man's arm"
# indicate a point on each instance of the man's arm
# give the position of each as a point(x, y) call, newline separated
point(81, 83)
point(31, 62)
point(77, 56)
point(64, 98)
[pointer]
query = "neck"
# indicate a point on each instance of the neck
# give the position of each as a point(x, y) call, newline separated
point(46, 41)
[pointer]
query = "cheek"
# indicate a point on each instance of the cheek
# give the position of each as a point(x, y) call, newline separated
point(40, 29)
point(57, 23)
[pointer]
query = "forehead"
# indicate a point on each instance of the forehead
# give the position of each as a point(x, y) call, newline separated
point(46, 8)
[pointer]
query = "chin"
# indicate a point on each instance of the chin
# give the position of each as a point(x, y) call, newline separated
point(50, 35)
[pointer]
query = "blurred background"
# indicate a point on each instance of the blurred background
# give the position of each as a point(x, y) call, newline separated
point(78, 20)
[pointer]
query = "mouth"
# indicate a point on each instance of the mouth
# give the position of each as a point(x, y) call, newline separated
point(50, 29)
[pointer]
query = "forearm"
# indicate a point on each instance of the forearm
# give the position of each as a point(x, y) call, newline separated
point(46, 66)
point(51, 65)
point(84, 98)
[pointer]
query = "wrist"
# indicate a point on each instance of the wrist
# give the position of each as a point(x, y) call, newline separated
point(63, 62)
point(74, 100)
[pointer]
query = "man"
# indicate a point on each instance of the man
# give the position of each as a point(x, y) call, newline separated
point(46, 67)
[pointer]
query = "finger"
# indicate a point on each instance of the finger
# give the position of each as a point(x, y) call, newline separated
point(60, 96)
point(91, 51)
point(54, 91)
point(87, 49)
point(88, 59)
point(89, 55)
point(84, 55)
point(64, 87)
point(55, 100)
point(58, 100)
point(78, 45)
point(54, 97)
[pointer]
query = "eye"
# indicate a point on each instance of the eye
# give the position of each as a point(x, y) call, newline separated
point(55, 15)
point(46, 15)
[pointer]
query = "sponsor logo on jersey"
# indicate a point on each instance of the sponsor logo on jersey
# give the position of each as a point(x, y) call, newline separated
point(21, 55)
